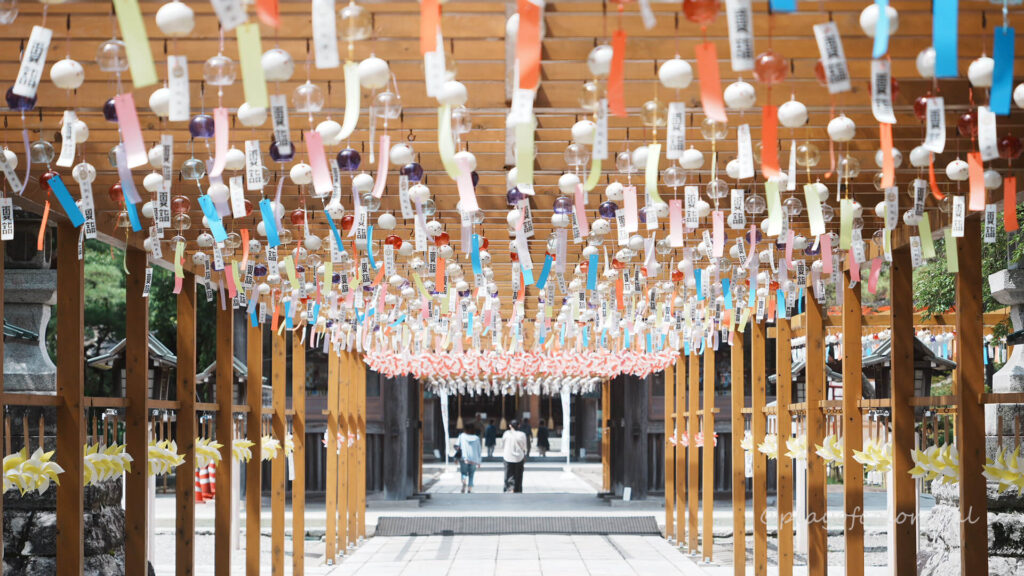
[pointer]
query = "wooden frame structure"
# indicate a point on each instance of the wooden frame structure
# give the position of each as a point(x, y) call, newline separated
point(818, 416)
point(71, 405)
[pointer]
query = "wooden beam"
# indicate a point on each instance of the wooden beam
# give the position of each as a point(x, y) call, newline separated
point(185, 373)
point(692, 480)
point(784, 465)
point(331, 495)
point(225, 378)
point(739, 479)
point(70, 419)
point(279, 386)
point(970, 416)
point(817, 504)
point(670, 460)
point(708, 454)
point(137, 433)
point(904, 518)
point(853, 428)
point(299, 456)
point(680, 403)
point(758, 424)
point(254, 431)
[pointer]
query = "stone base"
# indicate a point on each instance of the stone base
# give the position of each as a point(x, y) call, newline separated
point(939, 553)
point(30, 532)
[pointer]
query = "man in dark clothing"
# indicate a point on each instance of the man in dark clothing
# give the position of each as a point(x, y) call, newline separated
point(490, 437)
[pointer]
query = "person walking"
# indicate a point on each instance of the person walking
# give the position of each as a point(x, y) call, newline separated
point(515, 448)
point(469, 446)
point(490, 437)
point(543, 440)
point(529, 435)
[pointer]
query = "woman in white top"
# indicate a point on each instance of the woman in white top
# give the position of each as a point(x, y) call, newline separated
point(469, 446)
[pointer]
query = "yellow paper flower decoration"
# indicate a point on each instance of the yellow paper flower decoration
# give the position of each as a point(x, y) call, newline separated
point(163, 457)
point(797, 447)
point(105, 464)
point(207, 452)
point(271, 447)
point(935, 463)
point(241, 449)
point(1007, 474)
point(770, 446)
point(28, 473)
point(876, 456)
point(832, 449)
point(748, 442)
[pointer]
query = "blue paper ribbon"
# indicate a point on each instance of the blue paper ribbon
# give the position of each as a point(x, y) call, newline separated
point(944, 37)
point(369, 246)
point(727, 293)
point(1002, 75)
point(288, 315)
point(475, 254)
point(783, 6)
point(133, 216)
point(586, 336)
point(469, 325)
point(781, 300)
point(648, 342)
point(700, 285)
point(752, 298)
point(66, 201)
point(213, 218)
point(592, 273)
point(334, 231)
point(542, 281)
point(253, 320)
point(881, 45)
point(527, 277)
point(269, 222)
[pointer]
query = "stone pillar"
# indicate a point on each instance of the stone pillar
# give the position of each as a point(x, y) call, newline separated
point(1007, 288)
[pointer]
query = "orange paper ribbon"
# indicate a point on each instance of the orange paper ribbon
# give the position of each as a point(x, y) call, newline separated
point(430, 18)
point(1010, 204)
point(931, 179)
point(528, 45)
point(976, 173)
point(888, 164)
point(616, 75)
point(710, 83)
point(268, 12)
point(769, 141)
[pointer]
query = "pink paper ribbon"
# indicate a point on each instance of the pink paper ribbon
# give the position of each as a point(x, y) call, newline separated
point(220, 123)
point(131, 132)
point(581, 212)
point(322, 184)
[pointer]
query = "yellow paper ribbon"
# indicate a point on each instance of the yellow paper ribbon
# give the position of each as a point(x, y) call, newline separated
point(651, 174)
point(289, 267)
point(348, 125)
point(924, 228)
point(250, 52)
point(594, 176)
point(136, 43)
point(524, 153)
point(445, 144)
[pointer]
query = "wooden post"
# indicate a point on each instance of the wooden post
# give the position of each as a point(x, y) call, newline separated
point(344, 379)
point(708, 453)
point(817, 505)
point(299, 456)
point(784, 465)
point(185, 490)
point(739, 480)
point(279, 385)
point(253, 422)
point(331, 495)
point(670, 460)
point(970, 414)
point(681, 462)
point(70, 420)
point(225, 375)
point(3, 438)
point(692, 481)
point(136, 354)
point(357, 477)
point(758, 424)
point(853, 429)
point(904, 488)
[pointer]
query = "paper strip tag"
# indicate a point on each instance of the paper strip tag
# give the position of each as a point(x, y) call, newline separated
point(325, 34)
point(833, 59)
point(814, 215)
point(988, 143)
point(279, 117)
point(916, 256)
point(250, 53)
point(88, 209)
point(148, 283)
point(737, 217)
point(237, 197)
point(959, 213)
point(675, 140)
point(881, 92)
point(178, 108)
point(630, 208)
point(920, 187)
point(6, 218)
point(33, 60)
point(601, 135)
point(691, 196)
point(989, 236)
point(253, 166)
point(136, 43)
point(434, 71)
point(231, 13)
point(67, 146)
point(935, 124)
point(892, 208)
point(744, 151)
point(741, 34)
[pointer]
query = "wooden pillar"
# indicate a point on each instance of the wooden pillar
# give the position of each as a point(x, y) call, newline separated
point(356, 458)
point(344, 383)
point(253, 431)
point(2, 406)
point(681, 462)
point(817, 505)
point(185, 491)
point(692, 480)
point(670, 459)
point(758, 425)
point(739, 480)
point(970, 414)
point(904, 519)
point(136, 354)
point(783, 398)
point(279, 386)
point(225, 375)
point(70, 420)
point(331, 494)
point(299, 456)
point(708, 454)
point(853, 429)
